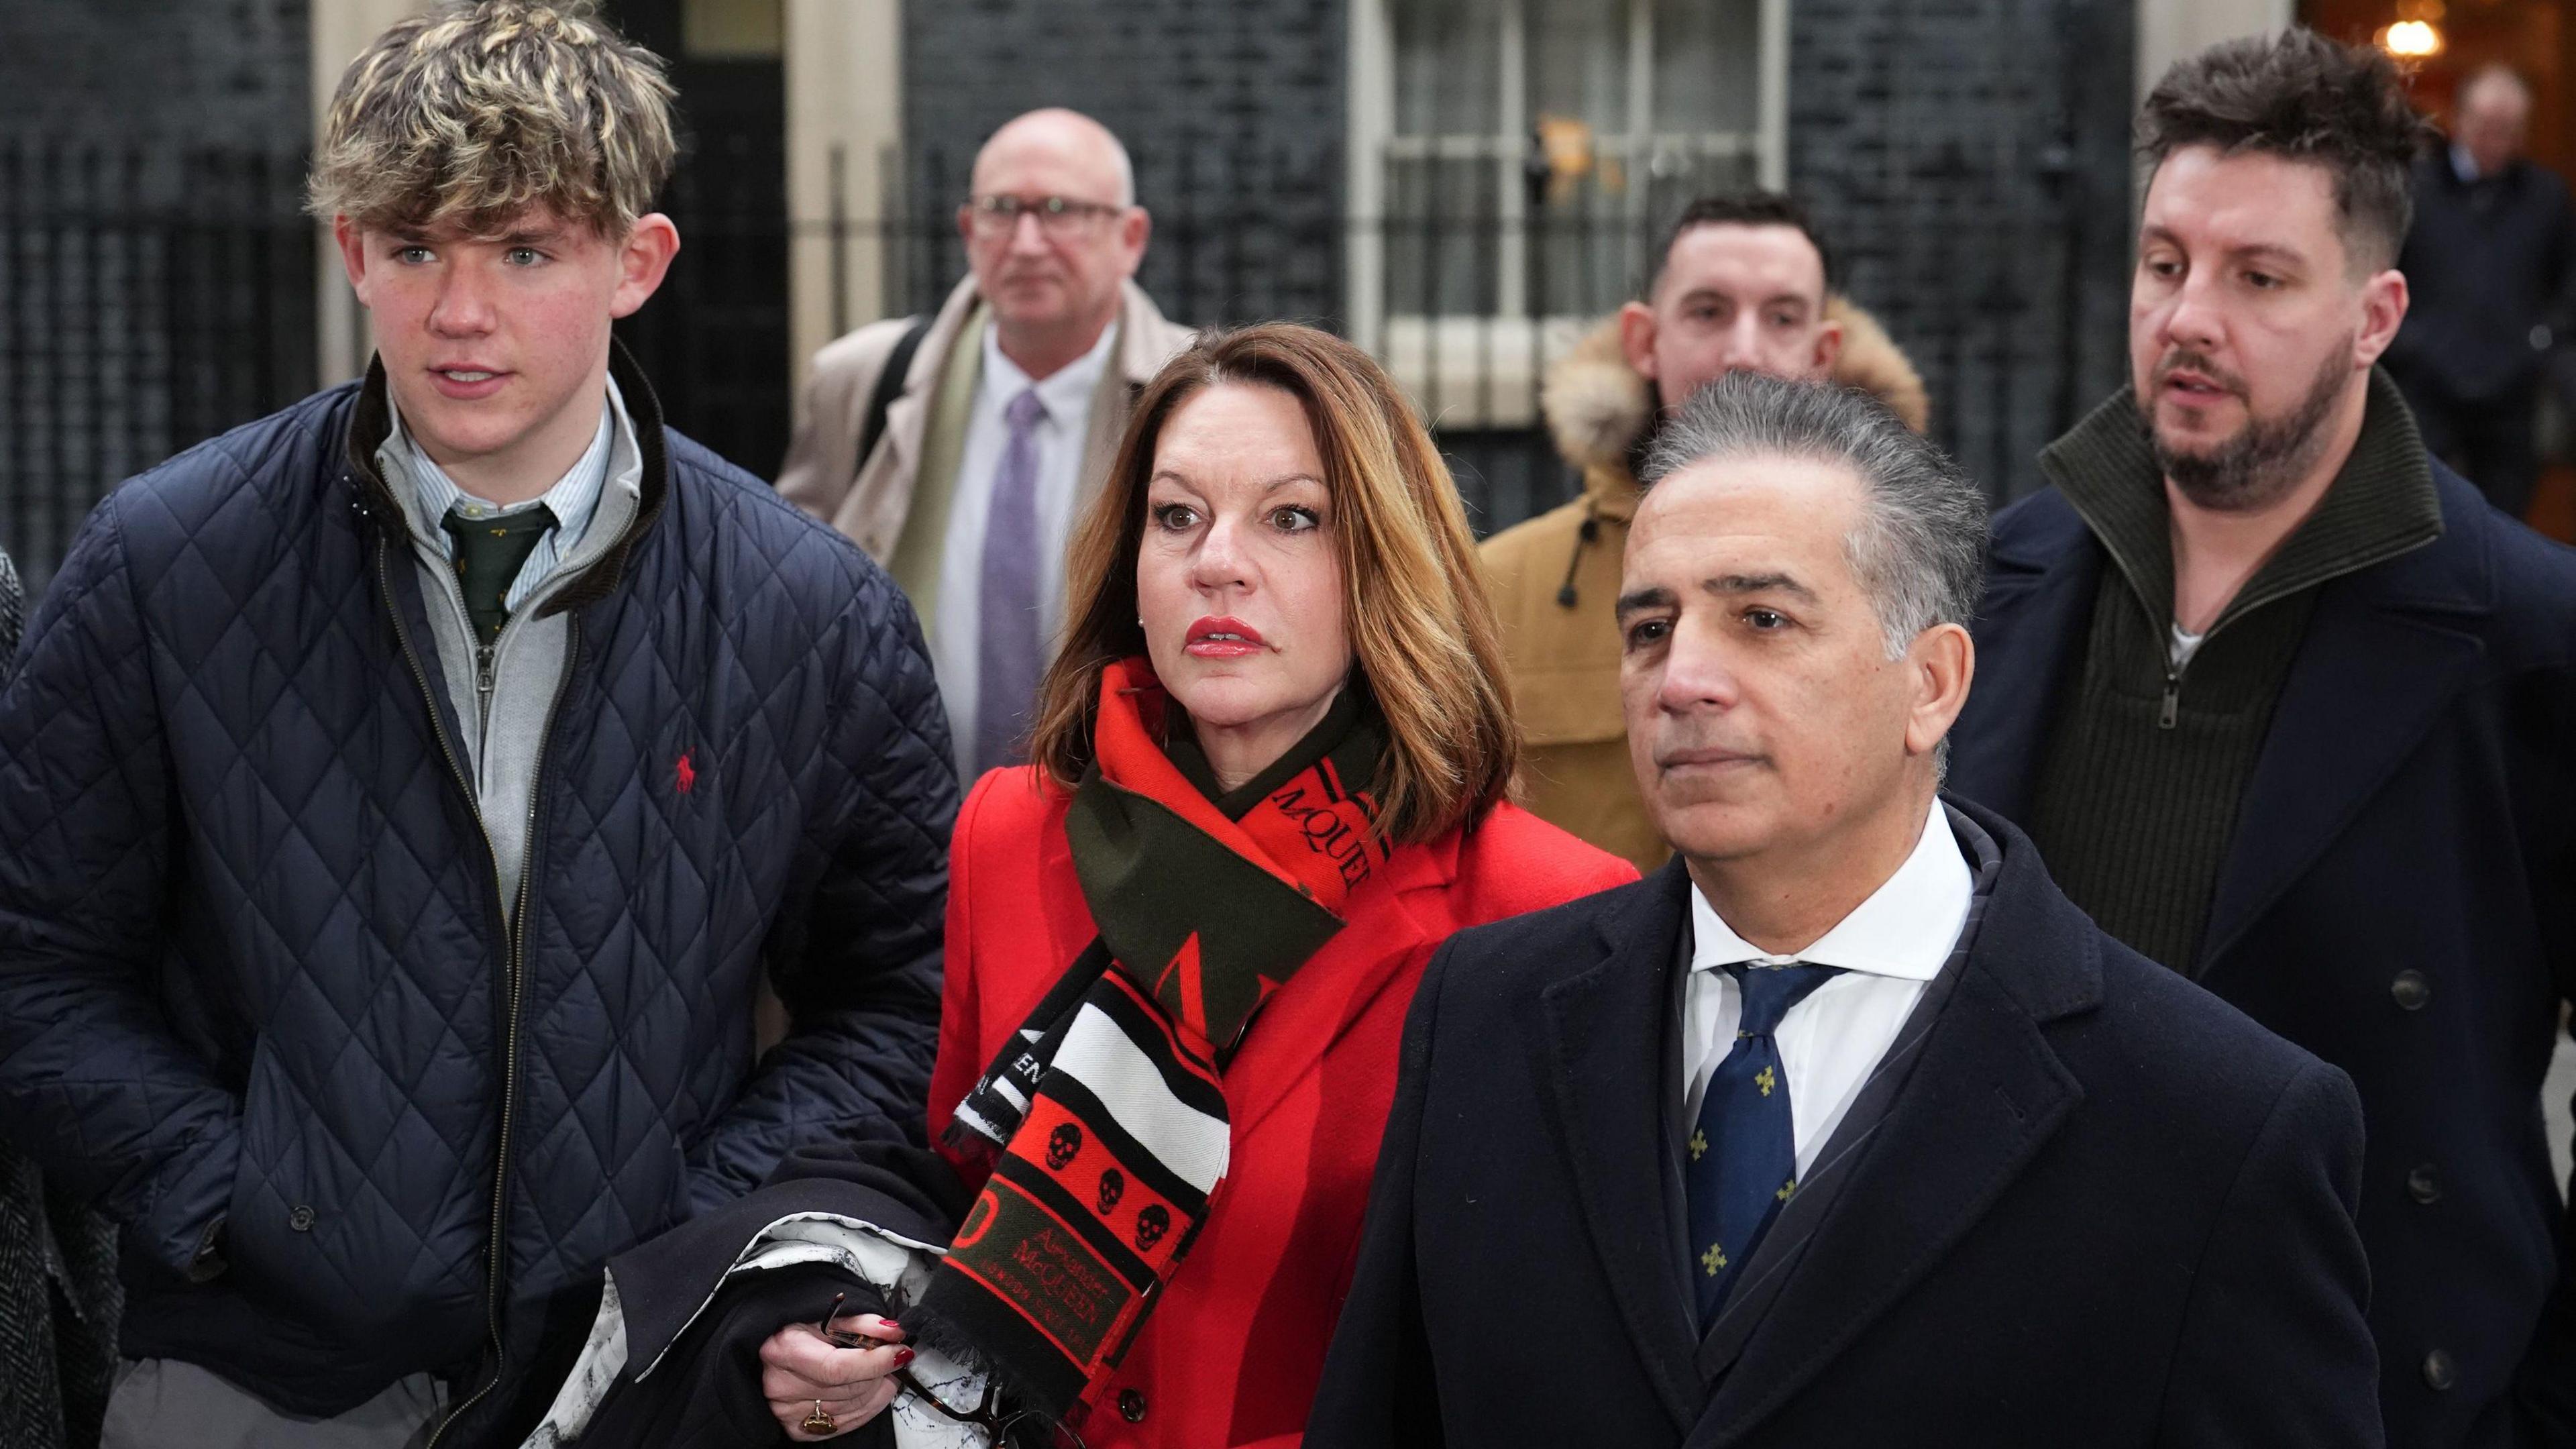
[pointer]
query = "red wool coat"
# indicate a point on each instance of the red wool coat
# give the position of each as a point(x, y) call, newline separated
point(1232, 1355)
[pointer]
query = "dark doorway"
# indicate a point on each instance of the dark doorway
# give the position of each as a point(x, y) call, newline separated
point(714, 340)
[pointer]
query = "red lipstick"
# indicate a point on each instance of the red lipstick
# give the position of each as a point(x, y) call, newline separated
point(1223, 637)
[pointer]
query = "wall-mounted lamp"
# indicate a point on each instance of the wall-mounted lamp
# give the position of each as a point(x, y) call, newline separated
point(2411, 39)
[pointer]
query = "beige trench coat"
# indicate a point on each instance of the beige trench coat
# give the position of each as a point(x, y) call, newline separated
point(869, 499)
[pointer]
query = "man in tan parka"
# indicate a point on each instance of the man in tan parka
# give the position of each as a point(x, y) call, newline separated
point(1744, 283)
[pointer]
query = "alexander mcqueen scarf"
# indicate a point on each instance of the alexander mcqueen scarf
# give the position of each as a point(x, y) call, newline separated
point(1108, 1105)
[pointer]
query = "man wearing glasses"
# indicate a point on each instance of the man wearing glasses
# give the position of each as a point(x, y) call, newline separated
point(957, 449)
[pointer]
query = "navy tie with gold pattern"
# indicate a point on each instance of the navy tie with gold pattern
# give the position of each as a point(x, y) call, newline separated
point(1741, 1164)
point(490, 551)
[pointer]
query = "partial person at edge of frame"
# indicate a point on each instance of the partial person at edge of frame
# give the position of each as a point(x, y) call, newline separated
point(405, 797)
point(2490, 264)
point(2292, 710)
point(59, 1299)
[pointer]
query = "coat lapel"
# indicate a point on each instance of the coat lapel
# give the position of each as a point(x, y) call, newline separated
point(881, 498)
point(2030, 631)
point(1987, 1094)
point(2386, 652)
point(1601, 1060)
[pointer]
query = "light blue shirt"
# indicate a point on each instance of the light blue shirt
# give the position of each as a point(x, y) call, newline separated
point(574, 498)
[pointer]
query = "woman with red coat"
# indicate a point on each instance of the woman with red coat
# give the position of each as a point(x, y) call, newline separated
point(1270, 762)
point(1270, 767)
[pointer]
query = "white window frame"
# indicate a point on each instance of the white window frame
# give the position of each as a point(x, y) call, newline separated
point(1483, 371)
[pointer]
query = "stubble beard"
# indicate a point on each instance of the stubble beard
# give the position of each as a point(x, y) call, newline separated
point(2266, 460)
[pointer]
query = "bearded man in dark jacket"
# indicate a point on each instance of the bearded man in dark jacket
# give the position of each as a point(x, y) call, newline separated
point(406, 797)
point(2288, 708)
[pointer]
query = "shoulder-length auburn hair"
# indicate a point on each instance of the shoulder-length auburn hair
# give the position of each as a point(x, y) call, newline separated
point(1421, 628)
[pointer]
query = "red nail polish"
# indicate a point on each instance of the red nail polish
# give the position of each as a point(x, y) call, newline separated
point(902, 1356)
point(890, 1323)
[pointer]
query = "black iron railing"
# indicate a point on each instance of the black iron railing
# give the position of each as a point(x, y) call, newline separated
point(148, 301)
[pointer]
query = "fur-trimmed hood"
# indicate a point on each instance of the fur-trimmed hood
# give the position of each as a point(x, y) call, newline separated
point(1596, 405)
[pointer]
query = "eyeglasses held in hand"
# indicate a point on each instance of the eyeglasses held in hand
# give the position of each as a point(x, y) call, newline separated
point(987, 1415)
point(1061, 217)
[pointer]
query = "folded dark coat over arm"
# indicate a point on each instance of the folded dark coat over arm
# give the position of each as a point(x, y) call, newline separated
point(689, 1325)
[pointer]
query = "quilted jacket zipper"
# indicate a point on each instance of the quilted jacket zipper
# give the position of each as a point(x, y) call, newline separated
point(514, 932)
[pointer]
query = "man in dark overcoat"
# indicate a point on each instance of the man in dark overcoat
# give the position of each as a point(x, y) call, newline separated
point(1845, 1128)
point(2488, 264)
point(2290, 710)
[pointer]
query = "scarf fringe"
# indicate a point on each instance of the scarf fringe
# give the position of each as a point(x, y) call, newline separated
point(935, 1330)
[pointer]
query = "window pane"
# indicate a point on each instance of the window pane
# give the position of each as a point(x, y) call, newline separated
point(1592, 196)
point(1675, 178)
point(733, 29)
point(1578, 61)
point(1708, 65)
point(1581, 259)
point(1448, 67)
point(1581, 227)
point(1441, 240)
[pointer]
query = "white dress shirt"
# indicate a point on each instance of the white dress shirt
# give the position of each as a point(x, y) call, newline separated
point(1890, 947)
point(1066, 395)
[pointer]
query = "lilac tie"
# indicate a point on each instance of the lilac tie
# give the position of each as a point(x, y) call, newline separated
point(1009, 653)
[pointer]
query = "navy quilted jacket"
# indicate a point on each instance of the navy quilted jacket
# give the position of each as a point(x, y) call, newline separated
point(253, 965)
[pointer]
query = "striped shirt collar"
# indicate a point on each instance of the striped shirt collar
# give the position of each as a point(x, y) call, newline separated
point(574, 498)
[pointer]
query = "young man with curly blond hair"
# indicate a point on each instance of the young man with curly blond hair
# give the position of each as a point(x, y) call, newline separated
point(405, 798)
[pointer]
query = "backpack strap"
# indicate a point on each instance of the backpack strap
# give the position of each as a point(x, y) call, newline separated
point(889, 386)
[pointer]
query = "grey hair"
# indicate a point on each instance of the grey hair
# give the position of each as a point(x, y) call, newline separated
point(1920, 547)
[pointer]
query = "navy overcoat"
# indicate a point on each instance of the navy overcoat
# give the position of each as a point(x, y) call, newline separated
point(255, 968)
point(2400, 899)
point(2101, 1209)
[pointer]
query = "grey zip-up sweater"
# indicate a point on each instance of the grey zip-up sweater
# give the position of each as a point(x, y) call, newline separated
point(512, 691)
point(2147, 758)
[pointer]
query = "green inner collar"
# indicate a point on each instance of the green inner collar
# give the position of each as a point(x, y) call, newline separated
point(2380, 505)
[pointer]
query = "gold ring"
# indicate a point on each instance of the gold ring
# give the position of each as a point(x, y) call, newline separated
point(818, 1422)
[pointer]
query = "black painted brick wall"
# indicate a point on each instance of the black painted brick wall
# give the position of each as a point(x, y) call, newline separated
point(204, 72)
point(1969, 159)
point(156, 281)
point(1230, 110)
